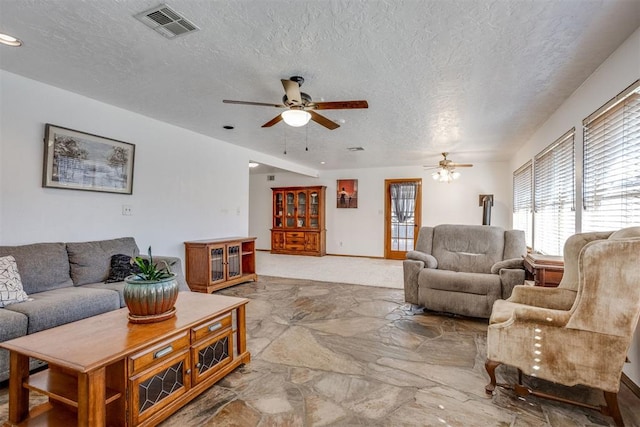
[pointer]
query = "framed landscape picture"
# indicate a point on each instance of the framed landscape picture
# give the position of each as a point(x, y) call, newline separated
point(347, 196)
point(76, 160)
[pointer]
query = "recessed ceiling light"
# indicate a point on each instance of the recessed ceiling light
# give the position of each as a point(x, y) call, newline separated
point(253, 164)
point(322, 163)
point(228, 127)
point(10, 40)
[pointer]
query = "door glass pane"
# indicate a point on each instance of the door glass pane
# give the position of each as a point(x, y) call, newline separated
point(233, 261)
point(313, 204)
point(402, 216)
point(217, 264)
point(291, 210)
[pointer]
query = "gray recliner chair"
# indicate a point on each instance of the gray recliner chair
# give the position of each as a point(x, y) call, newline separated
point(463, 269)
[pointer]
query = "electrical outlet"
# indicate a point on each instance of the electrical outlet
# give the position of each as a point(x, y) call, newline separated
point(127, 210)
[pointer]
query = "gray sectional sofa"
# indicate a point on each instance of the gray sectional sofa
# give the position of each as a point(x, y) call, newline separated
point(65, 283)
point(463, 269)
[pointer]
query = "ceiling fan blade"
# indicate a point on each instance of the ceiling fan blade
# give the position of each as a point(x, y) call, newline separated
point(339, 105)
point(262, 104)
point(322, 120)
point(273, 121)
point(292, 90)
point(460, 165)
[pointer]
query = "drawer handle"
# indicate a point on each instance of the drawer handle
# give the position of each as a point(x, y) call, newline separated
point(160, 353)
point(215, 326)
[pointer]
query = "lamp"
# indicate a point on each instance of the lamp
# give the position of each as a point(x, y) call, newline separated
point(445, 175)
point(296, 118)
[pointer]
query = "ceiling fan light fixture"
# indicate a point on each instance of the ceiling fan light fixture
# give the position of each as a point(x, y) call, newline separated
point(445, 175)
point(296, 118)
point(8, 40)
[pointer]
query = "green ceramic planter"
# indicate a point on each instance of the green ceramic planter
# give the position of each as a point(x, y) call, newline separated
point(150, 301)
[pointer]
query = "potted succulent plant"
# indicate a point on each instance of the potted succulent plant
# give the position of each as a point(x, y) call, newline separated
point(151, 292)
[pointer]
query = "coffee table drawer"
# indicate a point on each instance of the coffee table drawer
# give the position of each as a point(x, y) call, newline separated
point(158, 352)
point(211, 328)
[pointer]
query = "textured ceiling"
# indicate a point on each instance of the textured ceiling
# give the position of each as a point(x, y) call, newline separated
point(474, 78)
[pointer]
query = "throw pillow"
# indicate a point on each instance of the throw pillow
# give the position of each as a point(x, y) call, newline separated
point(10, 283)
point(121, 267)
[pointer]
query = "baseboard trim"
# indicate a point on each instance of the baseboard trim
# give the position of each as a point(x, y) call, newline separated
point(635, 388)
point(348, 256)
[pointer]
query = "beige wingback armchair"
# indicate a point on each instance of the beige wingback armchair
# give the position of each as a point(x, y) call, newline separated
point(580, 332)
point(463, 269)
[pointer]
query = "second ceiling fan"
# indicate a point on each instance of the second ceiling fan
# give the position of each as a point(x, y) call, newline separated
point(301, 108)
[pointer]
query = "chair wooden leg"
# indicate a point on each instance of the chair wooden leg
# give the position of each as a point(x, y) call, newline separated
point(612, 409)
point(491, 366)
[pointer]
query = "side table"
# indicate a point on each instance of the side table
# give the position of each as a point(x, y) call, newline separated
point(544, 270)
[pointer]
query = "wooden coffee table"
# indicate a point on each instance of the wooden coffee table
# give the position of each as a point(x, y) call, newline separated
point(104, 370)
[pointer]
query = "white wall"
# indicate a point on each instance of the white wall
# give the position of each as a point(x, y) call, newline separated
point(620, 70)
point(361, 230)
point(186, 186)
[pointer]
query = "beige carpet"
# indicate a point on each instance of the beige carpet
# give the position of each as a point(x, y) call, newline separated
point(331, 268)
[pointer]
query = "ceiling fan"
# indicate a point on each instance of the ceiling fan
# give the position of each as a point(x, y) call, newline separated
point(446, 169)
point(301, 108)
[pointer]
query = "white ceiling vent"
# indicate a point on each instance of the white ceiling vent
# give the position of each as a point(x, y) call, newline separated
point(166, 21)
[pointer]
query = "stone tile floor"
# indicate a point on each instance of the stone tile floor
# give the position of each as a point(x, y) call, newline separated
point(328, 354)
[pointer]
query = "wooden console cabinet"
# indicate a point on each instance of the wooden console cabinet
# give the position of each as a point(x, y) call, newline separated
point(215, 264)
point(298, 226)
point(544, 270)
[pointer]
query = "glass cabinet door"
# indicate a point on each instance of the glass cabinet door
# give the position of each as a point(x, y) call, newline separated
point(302, 209)
point(217, 263)
point(278, 209)
point(291, 209)
point(313, 209)
point(234, 268)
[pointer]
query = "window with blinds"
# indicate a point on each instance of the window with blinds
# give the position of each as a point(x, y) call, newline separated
point(523, 201)
point(611, 180)
point(554, 195)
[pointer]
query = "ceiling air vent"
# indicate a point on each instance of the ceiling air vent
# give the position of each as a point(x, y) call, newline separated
point(355, 148)
point(166, 21)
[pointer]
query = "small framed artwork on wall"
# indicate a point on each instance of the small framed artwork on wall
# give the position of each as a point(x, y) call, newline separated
point(347, 194)
point(76, 160)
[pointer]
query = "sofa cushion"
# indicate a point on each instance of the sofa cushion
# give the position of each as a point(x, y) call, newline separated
point(59, 306)
point(626, 233)
point(11, 290)
point(113, 286)
point(42, 266)
point(469, 248)
point(90, 262)
point(14, 325)
point(468, 283)
point(121, 267)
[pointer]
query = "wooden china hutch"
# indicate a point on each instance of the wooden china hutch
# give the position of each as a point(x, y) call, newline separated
point(299, 221)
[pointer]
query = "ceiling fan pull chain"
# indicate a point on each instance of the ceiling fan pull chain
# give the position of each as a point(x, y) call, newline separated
point(306, 137)
point(285, 140)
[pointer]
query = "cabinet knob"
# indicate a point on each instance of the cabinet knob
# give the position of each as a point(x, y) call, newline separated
point(198, 365)
point(188, 371)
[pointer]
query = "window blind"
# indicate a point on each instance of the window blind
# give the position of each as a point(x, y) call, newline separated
point(611, 177)
point(554, 195)
point(523, 201)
